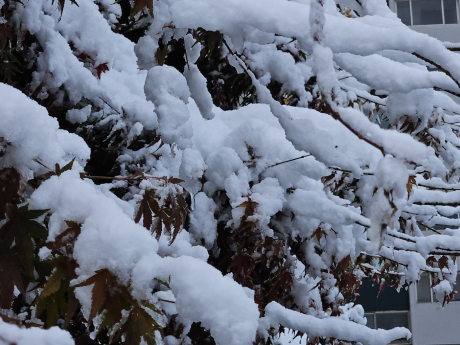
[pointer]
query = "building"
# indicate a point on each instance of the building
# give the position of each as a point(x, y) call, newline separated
point(416, 307)
point(437, 18)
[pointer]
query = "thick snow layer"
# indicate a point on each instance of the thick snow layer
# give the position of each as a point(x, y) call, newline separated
point(330, 327)
point(167, 88)
point(32, 136)
point(12, 334)
point(233, 317)
point(110, 239)
point(289, 161)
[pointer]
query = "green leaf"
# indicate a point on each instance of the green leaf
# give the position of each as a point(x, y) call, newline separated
point(35, 229)
point(54, 283)
point(9, 185)
point(33, 214)
point(26, 253)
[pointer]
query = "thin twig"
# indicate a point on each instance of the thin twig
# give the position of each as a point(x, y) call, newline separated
point(103, 100)
point(112, 178)
point(165, 300)
point(429, 228)
point(437, 203)
point(289, 160)
point(437, 66)
point(349, 171)
point(439, 188)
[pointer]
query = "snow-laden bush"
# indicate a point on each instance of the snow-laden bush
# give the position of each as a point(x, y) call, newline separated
point(212, 172)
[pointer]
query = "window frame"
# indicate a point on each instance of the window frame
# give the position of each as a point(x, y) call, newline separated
point(457, 5)
point(432, 297)
point(374, 316)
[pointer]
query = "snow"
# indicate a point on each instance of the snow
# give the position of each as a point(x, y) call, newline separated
point(167, 89)
point(329, 327)
point(233, 318)
point(12, 334)
point(322, 172)
point(203, 225)
point(32, 135)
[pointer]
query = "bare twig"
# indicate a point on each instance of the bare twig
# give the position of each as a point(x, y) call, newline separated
point(437, 66)
point(289, 160)
point(437, 188)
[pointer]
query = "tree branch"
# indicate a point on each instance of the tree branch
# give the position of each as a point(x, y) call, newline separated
point(438, 66)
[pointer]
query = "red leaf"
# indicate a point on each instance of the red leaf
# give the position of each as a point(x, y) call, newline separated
point(103, 67)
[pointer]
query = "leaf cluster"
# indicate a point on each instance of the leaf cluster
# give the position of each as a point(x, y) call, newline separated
point(170, 211)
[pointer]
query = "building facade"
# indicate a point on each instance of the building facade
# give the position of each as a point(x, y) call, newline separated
point(416, 306)
point(437, 18)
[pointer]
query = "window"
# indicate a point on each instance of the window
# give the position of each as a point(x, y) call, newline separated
point(426, 295)
point(388, 320)
point(427, 12)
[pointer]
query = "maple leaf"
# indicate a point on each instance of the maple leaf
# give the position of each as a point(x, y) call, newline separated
point(144, 212)
point(103, 280)
point(66, 238)
point(140, 325)
point(172, 214)
point(36, 181)
point(113, 298)
point(21, 230)
point(15, 260)
point(244, 264)
point(57, 298)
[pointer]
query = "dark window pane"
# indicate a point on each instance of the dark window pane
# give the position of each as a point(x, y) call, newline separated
point(372, 299)
point(426, 12)
point(370, 320)
point(391, 320)
point(423, 289)
point(403, 9)
point(450, 11)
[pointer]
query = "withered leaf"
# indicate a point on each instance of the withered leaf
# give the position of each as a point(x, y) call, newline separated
point(243, 264)
point(139, 5)
point(157, 139)
point(345, 262)
point(144, 212)
point(67, 167)
point(443, 262)
point(103, 67)
point(175, 180)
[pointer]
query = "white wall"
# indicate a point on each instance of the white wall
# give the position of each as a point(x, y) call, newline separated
point(446, 32)
point(433, 325)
